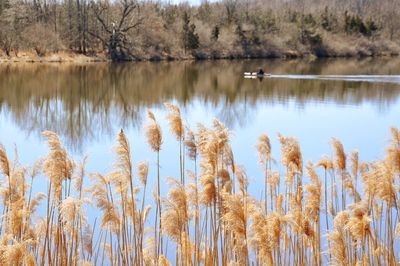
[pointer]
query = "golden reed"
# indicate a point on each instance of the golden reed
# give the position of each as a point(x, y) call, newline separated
point(315, 214)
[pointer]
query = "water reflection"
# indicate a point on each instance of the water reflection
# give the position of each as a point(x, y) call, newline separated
point(82, 102)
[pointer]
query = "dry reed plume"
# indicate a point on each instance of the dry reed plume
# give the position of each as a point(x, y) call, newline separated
point(318, 214)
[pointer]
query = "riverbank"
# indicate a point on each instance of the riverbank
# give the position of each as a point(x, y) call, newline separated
point(61, 57)
point(332, 49)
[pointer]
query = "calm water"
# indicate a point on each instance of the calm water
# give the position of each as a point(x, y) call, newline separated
point(355, 101)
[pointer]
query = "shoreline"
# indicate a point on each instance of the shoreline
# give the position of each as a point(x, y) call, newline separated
point(75, 58)
point(61, 57)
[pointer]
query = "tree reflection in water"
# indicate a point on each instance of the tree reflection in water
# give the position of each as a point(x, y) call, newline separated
point(82, 102)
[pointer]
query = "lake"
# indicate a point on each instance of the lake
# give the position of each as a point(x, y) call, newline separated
point(86, 105)
point(353, 100)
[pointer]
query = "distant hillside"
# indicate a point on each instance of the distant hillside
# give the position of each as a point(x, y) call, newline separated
point(144, 30)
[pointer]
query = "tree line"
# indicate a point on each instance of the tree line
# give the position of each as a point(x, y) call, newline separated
point(124, 30)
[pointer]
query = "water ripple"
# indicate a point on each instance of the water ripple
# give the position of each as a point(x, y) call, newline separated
point(358, 78)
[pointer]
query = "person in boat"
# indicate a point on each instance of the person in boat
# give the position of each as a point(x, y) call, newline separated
point(261, 72)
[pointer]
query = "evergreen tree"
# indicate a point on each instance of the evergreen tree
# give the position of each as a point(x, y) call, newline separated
point(190, 39)
point(215, 33)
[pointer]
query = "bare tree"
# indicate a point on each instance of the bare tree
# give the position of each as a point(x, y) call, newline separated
point(115, 36)
point(391, 18)
point(12, 21)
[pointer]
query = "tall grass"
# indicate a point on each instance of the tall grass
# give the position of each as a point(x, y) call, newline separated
point(307, 215)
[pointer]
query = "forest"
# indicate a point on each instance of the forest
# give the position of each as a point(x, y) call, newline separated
point(126, 30)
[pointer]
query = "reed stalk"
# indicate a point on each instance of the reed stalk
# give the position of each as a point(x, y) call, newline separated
point(209, 221)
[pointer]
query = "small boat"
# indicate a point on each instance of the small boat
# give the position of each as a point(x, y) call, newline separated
point(256, 75)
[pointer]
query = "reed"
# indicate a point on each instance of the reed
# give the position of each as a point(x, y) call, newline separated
point(208, 213)
point(152, 131)
point(264, 151)
point(177, 128)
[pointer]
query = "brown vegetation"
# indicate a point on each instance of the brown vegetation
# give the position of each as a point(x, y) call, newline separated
point(209, 216)
point(145, 30)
